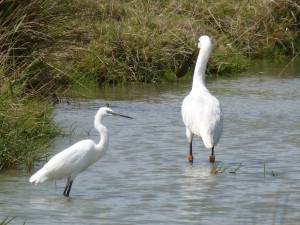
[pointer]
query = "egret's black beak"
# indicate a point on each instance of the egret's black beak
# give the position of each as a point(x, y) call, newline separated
point(118, 114)
point(186, 64)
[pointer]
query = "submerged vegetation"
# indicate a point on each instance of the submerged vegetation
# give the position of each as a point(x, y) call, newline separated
point(48, 44)
point(6, 220)
point(220, 169)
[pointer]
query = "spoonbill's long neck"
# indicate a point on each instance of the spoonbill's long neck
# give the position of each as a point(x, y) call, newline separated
point(199, 73)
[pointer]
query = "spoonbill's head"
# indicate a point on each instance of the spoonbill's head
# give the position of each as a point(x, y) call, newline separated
point(204, 43)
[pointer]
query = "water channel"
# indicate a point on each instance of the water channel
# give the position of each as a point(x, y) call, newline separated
point(145, 177)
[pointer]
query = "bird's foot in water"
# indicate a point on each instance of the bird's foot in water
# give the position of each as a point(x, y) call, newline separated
point(190, 158)
point(212, 159)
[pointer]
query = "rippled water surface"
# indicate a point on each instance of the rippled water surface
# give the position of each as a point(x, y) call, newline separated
point(145, 177)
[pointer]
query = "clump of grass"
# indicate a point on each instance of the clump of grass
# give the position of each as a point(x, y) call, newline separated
point(24, 35)
point(273, 173)
point(6, 220)
point(26, 130)
point(26, 125)
point(234, 171)
point(220, 169)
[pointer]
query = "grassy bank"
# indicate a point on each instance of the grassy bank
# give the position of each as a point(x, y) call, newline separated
point(26, 125)
point(145, 41)
point(48, 44)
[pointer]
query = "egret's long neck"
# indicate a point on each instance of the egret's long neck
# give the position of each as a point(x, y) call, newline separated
point(199, 73)
point(103, 134)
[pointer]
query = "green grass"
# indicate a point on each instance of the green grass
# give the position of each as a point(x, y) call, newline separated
point(273, 173)
point(220, 169)
point(138, 41)
point(26, 131)
point(26, 125)
point(109, 42)
point(6, 220)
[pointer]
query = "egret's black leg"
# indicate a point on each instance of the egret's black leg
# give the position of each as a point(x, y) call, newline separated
point(190, 157)
point(66, 188)
point(69, 188)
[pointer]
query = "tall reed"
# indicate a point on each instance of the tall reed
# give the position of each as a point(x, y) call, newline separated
point(26, 125)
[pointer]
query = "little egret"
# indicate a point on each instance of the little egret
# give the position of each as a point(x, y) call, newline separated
point(201, 111)
point(73, 160)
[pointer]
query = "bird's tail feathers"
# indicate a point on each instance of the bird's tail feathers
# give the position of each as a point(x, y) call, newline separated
point(38, 177)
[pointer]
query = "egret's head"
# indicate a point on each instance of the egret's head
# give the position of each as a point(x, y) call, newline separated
point(105, 111)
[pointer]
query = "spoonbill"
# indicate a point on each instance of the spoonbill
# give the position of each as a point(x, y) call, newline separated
point(201, 112)
point(75, 159)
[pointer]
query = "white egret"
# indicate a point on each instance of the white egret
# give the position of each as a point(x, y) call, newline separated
point(201, 111)
point(73, 160)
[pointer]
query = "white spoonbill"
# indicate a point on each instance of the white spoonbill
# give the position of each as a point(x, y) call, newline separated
point(201, 111)
point(73, 160)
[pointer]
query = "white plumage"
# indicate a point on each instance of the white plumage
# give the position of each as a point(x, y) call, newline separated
point(73, 160)
point(201, 111)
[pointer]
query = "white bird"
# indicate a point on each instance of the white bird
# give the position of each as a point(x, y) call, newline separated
point(201, 111)
point(73, 160)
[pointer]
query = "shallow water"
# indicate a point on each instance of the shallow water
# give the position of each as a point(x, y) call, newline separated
point(145, 177)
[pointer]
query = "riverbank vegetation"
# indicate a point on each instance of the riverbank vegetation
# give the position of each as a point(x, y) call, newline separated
point(45, 45)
